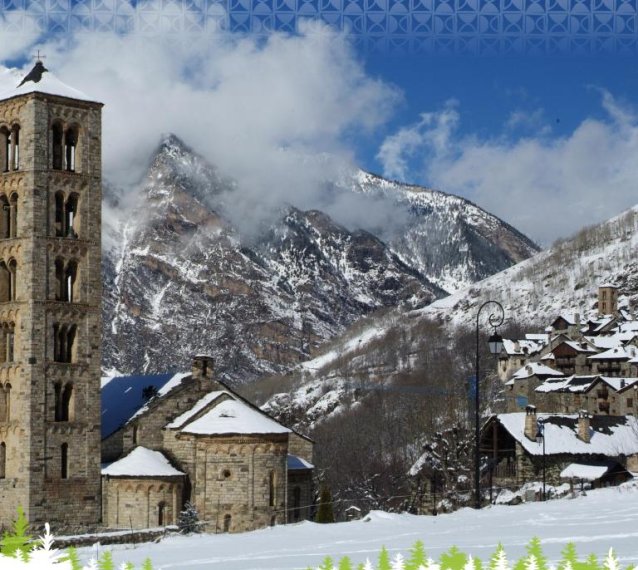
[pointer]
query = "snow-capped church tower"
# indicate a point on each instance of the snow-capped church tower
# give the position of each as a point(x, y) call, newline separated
point(50, 302)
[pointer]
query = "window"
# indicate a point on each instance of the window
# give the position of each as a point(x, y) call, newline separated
point(5, 220)
point(630, 402)
point(13, 215)
point(5, 148)
point(57, 138)
point(13, 270)
point(15, 147)
point(5, 403)
point(65, 276)
point(5, 283)
point(271, 488)
point(7, 342)
point(136, 434)
point(226, 474)
point(63, 342)
point(64, 409)
point(70, 143)
point(161, 514)
point(3, 460)
point(70, 216)
point(64, 461)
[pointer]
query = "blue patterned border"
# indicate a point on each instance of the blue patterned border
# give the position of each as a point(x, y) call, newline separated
point(441, 26)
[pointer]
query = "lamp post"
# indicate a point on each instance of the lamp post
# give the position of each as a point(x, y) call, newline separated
point(540, 435)
point(495, 319)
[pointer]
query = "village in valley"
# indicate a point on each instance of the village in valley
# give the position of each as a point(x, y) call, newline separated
point(144, 456)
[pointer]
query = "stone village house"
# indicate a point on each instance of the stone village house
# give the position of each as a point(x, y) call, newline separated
point(188, 437)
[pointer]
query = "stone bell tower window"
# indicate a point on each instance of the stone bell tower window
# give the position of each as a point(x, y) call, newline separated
point(64, 461)
point(7, 340)
point(70, 144)
point(5, 148)
point(57, 136)
point(63, 341)
point(3, 460)
point(64, 410)
point(15, 147)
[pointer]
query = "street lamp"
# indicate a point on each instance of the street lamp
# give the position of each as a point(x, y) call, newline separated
point(495, 342)
point(540, 435)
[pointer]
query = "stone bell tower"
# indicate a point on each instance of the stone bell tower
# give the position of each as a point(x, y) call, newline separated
point(50, 300)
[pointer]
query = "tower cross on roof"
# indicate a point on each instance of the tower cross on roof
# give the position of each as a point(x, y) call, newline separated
point(39, 57)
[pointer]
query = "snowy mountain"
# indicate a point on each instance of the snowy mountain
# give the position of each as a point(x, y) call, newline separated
point(181, 279)
point(533, 293)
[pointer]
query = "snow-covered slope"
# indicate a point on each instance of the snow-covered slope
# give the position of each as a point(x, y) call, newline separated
point(180, 279)
point(595, 523)
point(533, 293)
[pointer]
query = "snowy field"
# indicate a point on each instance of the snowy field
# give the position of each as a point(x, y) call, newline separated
point(605, 518)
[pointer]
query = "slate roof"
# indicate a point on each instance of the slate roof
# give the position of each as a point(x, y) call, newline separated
point(141, 462)
point(122, 397)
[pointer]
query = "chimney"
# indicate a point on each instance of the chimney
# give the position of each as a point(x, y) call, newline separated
point(531, 425)
point(202, 367)
point(584, 426)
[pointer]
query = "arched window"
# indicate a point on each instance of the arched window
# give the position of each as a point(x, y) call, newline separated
point(70, 144)
point(7, 402)
point(57, 390)
point(5, 218)
point(3, 406)
point(70, 275)
point(15, 147)
point(227, 522)
point(5, 283)
point(64, 461)
point(59, 279)
point(70, 216)
point(13, 271)
point(7, 342)
point(63, 342)
point(13, 215)
point(67, 411)
point(271, 488)
point(3, 460)
point(136, 434)
point(59, 214)
point(5, 148)
point(161, 513)
point(57, 137)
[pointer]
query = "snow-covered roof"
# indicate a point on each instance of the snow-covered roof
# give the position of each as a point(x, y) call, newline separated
point(234, 417)
point(123, 398)
point(549, 356)
point(584, 471)
point(569, 318)
point(48, 84)
point(609, 435)
point(142, 462)
point(535, 369)
point(617, 353)
point(578, 384)
point(523, 346)
point(580, 346)
point(619, 384)
point(179, 421)
point(296, 463)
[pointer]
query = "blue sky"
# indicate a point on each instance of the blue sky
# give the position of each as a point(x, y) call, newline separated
point(548, 143)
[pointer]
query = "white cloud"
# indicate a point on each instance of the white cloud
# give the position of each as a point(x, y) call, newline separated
point(545, 186)
point(256, 108)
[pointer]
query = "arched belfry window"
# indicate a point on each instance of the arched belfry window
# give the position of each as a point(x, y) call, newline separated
point(13, 279)
point(64, 408)
point(5, 283)
point(70, 147)
point(57, 137)
point(70, 274)
point(15, 147)
point(71, 215)
point(5, 149)
point(13, 215)
point(63, 342)
point(7, 341)
point(5, 218)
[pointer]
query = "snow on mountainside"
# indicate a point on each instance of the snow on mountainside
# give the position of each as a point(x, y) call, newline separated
point(179, 278)
point(533, 293)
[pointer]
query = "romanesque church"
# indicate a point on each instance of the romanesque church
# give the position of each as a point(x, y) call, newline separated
point(124, 452)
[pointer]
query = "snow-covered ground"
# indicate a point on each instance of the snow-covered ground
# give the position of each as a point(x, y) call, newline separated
point(603, 519)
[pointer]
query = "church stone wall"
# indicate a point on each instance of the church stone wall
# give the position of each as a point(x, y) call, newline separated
point(237, 483)
point(141, 502)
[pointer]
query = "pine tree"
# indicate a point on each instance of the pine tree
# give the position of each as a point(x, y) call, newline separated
point(325, 513)
point(188, 521)
point(570, 558)
point(345, 564)
point(326, 564)
point(106, 561)
point(592, 563)
point(17, 543)
point(417, 556)
point(534, 549)
point(147, 565)
point(498, 560)
point(454, 559)
point(398, 562)
point(384, 560)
